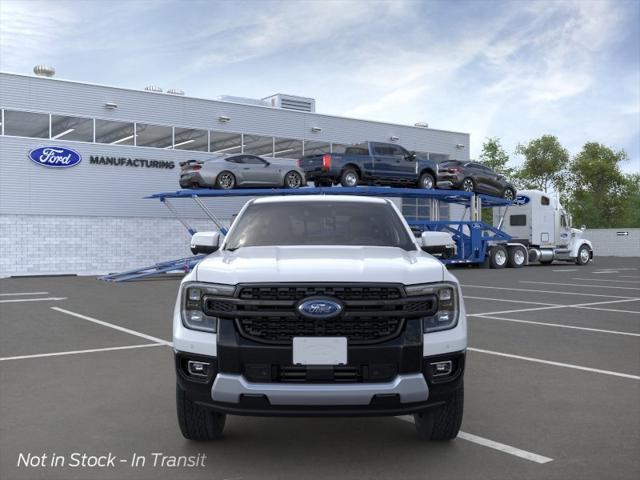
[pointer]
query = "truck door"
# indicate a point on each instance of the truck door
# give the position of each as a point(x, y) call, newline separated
point(565, 230)
point(391, 163)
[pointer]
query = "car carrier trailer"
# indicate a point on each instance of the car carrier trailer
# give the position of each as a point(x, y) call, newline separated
point(473, 241)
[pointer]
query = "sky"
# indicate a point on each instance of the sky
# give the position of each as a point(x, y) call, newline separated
point(509, 69)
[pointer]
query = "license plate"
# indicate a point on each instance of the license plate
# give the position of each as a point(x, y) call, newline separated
point(320, 350)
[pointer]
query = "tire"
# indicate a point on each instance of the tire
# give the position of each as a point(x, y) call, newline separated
point(517, 257)
point(499, 257)
point(349, 178)
point(509, 194)
point(442, 423)
point(225, 180)
point(426, 182)
point(468, 185)
point(196, 422)
point(584, 255)
point(292, 180)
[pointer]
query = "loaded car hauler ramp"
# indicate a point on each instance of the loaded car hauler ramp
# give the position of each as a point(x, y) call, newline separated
point(473, 238)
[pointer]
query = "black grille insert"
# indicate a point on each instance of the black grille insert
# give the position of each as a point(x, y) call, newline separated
point(372, 313)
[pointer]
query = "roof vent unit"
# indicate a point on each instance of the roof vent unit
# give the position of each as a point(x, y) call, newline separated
point(175, 91)
point(153, 88)
point(292, 102)
point(44, 71)
point(421, 124)
point(244, 100)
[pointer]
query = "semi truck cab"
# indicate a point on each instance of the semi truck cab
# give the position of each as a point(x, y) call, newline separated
point(540, 223)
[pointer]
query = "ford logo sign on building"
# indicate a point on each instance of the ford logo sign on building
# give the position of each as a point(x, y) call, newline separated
point(55, 157)
point(319, 308)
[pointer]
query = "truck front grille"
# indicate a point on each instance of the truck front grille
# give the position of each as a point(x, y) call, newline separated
point(282, 330)
point(372, 313)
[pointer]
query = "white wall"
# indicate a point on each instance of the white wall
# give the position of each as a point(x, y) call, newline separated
point(607, 242)
point(53, 245)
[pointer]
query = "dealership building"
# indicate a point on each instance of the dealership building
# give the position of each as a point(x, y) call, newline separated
point(91, 217)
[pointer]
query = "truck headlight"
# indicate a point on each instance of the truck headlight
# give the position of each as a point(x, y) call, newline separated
point(446, 315)
point(193, 298)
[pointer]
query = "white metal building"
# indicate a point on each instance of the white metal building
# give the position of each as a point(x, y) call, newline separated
point(92, 217)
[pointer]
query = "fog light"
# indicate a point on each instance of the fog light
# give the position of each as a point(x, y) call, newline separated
point(198, 369)
point(440, 369)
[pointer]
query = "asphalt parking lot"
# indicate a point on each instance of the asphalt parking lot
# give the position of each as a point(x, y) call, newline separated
point(552, 387)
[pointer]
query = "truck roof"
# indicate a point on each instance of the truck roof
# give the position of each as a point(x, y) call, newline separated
point(320, 198)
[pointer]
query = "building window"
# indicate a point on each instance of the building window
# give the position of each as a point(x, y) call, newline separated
point(157, 136)
point(71, 128)
point(287, 148)
point(258, 145)
point(338, 147)
point(26, 124)
point(225, 143)
point(316, 148)
point(115, 133)
point(191, 139)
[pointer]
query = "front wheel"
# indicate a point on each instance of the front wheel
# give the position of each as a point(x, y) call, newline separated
point(293, 179)
point(426, 181)
point(349, 178)
point(508, 194)
point(196, 422)
point(584, 255)
point(442, 423)
point(226, 180)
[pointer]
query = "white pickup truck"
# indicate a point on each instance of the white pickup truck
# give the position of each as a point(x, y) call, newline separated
point(319, 306)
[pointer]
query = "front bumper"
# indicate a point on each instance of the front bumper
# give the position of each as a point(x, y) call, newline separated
point(406, 394)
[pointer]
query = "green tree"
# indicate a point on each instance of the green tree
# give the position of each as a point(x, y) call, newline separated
point(598, 191)
point(545, 164)
point(495, 157)
point(631, 211)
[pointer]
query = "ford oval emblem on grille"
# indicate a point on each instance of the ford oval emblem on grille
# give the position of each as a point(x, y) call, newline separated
point(319, 308)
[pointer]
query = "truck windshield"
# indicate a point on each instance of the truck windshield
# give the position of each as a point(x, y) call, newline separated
point(319, 223)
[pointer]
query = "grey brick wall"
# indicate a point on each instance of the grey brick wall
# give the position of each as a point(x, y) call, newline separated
point(608, 242)
point(43, 245)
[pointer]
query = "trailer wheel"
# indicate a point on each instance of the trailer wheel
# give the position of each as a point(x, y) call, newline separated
point(499, 257)
point(584, 255)
point(517, 257)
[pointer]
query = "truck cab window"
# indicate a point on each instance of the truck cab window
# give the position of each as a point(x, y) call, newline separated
point(544, 200)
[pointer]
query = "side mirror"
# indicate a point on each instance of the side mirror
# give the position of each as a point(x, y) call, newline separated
point(411, 156)
point(438, 243)
point(205, 242)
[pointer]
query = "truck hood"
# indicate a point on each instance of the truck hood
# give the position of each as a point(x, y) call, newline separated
point(319, 264)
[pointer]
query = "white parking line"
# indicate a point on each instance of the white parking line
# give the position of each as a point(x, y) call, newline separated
point(567, 270)
point(47, 299)
point(552, 306)
point(607, 280)
point(510, 301)
point(558, 325)
point(605, 272)
point(629, 276)
point(556, 364)
point(580, 285)
point(502, 447)
point(75, 352)
point(528, 290)
point(23, 293)
point(111, 325)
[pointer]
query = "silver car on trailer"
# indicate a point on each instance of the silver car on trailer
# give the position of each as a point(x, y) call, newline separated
point(243, 170)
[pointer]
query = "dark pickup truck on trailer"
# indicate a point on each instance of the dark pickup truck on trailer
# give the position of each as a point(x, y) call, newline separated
point(371, 163)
